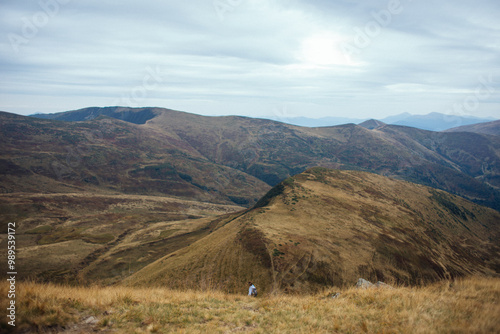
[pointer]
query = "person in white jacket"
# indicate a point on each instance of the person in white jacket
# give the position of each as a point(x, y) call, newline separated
point(252, 290)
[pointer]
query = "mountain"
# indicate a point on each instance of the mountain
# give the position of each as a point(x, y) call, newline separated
point(135, 116)
point(489, 128)
point(116, 189)
point(396, 118)
point(372, 124)
point(438, 122)
point(329, 227)
point(107, 155)
point(316, 122)
point(432, 122)
point(230, 159)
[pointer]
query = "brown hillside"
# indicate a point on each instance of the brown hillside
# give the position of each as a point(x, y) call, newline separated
point(99, 237)
point(155, 151)
point(489, 128)
point(326, 227)
point(107, 155)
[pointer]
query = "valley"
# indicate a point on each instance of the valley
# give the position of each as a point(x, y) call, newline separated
point(126, 202)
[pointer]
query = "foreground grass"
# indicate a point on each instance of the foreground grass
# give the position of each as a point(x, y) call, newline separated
point(468, 306)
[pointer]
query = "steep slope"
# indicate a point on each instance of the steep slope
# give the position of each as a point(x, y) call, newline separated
point(326, 227)
point(489, 128)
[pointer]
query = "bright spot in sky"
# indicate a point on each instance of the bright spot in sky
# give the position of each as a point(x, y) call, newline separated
point(324, 49)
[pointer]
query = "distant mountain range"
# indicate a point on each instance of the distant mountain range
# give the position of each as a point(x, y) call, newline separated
point(432, 122)
point(229, 159)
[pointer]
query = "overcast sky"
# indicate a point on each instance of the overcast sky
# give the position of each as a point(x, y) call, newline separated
point(276, 58)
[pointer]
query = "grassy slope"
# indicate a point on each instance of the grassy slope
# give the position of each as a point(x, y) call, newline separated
point(324, 228)
point(464, 306)
point(99, 236)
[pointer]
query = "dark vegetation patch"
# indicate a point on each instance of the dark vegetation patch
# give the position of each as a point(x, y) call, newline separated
point(271, 175)
point(277, 252)
point(186, 177)
point(266, 199)
point(405, 256)
point(158, 172)
point(254, 242)
point(9, 168)
point(444, 201)
point(371, 273)
point(98, 238)
point(321, 273)
point(239, 200)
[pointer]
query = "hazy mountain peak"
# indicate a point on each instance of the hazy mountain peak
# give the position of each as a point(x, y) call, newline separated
point(372, 124)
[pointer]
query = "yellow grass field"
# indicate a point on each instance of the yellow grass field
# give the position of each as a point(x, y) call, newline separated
point(466, 306)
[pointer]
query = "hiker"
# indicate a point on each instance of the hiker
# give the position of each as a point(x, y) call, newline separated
point(252, 290)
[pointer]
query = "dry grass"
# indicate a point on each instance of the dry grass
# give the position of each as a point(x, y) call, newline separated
point(467, 306)
point(328, 228)
point(59, 234)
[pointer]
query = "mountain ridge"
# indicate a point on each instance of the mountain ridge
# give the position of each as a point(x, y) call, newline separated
point(433, 121)
point(489, 128)
point(328, 227)
point(218, 158)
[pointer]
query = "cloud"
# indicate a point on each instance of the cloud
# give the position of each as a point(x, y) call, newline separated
point(320, 58)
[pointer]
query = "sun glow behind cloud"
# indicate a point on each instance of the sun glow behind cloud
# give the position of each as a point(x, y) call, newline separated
point(324, 49)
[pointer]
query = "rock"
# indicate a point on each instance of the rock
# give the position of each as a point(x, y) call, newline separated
point(382, 285)
point(91, 320)
point(364, 284)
